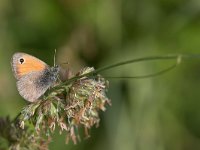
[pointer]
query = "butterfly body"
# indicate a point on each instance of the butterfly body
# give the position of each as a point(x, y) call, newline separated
point(33, 76)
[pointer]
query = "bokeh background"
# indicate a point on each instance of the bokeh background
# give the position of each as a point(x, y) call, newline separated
point(161, 113)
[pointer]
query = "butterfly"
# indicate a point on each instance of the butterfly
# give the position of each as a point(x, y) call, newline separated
point(34, 77)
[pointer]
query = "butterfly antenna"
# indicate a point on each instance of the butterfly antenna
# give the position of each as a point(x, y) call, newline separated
point(65, 63)
point(55, 58)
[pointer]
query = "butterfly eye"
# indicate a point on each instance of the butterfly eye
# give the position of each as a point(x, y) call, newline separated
point(21, 60)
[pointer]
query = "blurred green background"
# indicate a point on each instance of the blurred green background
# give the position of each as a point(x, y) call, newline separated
point(161, 113)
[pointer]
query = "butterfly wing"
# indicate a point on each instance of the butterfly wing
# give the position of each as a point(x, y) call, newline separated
point(29, 88)
point(22, 64)
point(33, 85)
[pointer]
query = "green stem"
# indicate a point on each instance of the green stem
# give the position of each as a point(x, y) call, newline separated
point(146, 76)
point(151, 58)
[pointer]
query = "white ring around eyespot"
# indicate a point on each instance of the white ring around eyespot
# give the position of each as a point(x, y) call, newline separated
point(20, 60)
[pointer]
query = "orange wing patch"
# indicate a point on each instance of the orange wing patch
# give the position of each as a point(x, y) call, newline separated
point(30, 64)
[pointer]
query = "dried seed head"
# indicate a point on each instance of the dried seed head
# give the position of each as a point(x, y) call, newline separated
point(68, 107)
point(85, 98)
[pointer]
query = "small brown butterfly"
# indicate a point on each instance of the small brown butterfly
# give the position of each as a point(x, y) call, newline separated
point(33, 76)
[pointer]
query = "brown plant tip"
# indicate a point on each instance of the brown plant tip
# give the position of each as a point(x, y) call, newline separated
point(18, 138)
point(68, 107)
point(86, 97)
